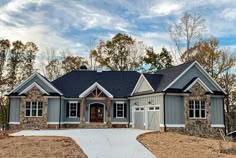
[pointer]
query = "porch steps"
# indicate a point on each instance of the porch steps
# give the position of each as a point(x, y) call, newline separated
point(96, 125)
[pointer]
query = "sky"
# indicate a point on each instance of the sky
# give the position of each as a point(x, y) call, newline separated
point(71, 24)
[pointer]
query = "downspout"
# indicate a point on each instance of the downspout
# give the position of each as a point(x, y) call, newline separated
point(164, 109)
point(8, 117)
point(128, 112)
point(224, 114)
point(60, 114)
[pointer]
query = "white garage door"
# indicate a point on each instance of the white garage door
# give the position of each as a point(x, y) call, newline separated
point(146, 117)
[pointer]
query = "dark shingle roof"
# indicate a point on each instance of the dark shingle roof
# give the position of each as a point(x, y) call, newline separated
point(170, 74)
point(118, 83)
point(153, 79)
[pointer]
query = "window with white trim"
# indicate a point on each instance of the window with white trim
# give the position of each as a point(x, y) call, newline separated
point(119, 110)
point(34, 109)
point(197, 109)
point(73, 110)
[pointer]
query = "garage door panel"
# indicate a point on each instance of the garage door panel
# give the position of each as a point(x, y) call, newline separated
point(153, 120)
point(139, 120)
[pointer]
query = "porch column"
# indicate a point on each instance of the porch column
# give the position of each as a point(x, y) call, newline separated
point(82, 113)
point(109, 111)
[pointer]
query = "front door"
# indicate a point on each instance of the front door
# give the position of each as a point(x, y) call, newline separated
point(96, 112)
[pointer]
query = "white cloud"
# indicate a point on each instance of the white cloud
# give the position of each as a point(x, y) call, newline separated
point(166, 8)
point(229, 14)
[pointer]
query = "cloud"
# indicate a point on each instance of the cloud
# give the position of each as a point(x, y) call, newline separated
point(165, 8)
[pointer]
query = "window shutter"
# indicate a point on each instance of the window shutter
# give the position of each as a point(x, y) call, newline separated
point(67, 109)
point(114, 110)
point(78, 109)
point(125, 110)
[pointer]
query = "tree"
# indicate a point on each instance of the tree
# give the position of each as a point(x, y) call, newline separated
point(71, 63)
point(14, 63)
point(30, 50)
point(213, 59)
point(4, 49)
point(157, 61)
point(186, 32)
point(53, 69)
point(116, 54)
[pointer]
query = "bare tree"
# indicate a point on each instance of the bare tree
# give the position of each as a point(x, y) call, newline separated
point(91, 44)
point(187, 31)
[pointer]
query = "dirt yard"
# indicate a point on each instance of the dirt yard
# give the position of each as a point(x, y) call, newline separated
point(172, 145)
point(39, 147)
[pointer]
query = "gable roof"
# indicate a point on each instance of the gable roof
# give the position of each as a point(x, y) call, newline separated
point(193, 82)
point(140, 81)
point(117, 83)
point(16, 91)
point(92, 87)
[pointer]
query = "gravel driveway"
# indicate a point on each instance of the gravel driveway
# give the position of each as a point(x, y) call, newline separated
point(101, 143)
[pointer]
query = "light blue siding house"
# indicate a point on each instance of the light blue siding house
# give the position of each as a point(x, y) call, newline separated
point(181, 98)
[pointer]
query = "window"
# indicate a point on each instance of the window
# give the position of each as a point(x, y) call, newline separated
point(73, 110)
point(120, 110)
point(34, 109)
point(197, 109)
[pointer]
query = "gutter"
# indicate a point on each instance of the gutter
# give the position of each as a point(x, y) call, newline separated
point(8, 117)
point(60, 114)
point(164, 109)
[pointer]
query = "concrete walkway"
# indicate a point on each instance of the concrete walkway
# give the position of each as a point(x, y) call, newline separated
point(101, 143)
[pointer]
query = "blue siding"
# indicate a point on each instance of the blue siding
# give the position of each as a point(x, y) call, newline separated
point(189, 75)
point(174, 109)
point(14, 110)
point(217, 113)
point(53, 109)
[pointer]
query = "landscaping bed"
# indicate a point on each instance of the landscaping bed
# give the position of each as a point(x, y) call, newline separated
point(38, 147)
point(178, 145)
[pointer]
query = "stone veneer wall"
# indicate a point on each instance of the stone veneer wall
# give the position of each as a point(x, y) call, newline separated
point(33, 122)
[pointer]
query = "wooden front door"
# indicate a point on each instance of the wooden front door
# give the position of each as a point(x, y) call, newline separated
point(96, 112)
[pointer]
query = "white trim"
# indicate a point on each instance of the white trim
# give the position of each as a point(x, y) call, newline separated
point(34, 84)
point(198, 80)
point(119, 123)
point(76, 103)
point(175, 125)
point(52, 123)
point(203, 72)
point(31, 77)
point(57, 123)
point(104, 111)
point(137, 84)
point(87, 91)
point(123, 109)
point(14, 123)
point(146, 95)
point(162, 125)
point(218, 125)
point(179, 76)
point(209, 77)
point(31, 108)
point(70, 122)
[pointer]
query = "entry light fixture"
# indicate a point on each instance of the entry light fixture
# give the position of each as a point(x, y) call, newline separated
point(150, 102)
point(136, 103)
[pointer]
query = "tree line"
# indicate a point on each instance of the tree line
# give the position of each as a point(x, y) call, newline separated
point(122, 53)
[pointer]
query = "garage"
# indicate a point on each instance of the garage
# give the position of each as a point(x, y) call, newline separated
point(146, 117)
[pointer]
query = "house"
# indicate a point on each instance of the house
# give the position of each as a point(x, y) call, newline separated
point(180, 98)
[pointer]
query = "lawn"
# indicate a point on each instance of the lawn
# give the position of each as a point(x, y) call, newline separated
point(39, 147)
point(177, 145)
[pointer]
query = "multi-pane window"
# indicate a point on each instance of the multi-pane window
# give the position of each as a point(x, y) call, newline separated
point(34, 109)
point(197, 109)
point(73, 109)
point(120, 110)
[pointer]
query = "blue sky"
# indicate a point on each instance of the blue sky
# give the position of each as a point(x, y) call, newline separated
point(70, 24)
